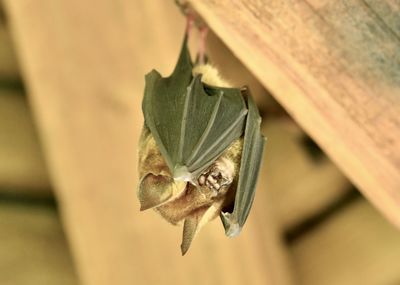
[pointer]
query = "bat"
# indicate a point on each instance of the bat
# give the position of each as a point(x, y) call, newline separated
point(200, 149)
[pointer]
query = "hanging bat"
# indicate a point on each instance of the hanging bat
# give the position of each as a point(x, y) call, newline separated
point(200, 150)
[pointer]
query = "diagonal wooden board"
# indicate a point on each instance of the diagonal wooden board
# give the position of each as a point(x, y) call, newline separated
point(22, 167)
point(335, 67)
point(364, 248)
point(84, 63)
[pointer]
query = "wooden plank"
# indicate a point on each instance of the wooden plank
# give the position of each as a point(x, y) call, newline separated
point(22, 166)
point(334, 66)
point(33, 247)
point(9, 69)
point(84, 62)
point(356, 246)
point(299, 185)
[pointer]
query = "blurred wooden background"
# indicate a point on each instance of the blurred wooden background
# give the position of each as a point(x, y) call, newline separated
point(71, 83)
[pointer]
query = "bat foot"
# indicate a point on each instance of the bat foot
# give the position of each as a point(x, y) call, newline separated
point(202, 44)
point(219, 175)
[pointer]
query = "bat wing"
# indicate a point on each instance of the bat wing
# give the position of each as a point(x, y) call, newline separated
point(253, 147)
point(192, 123)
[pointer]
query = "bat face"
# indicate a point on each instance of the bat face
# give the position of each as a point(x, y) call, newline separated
point(200, 149)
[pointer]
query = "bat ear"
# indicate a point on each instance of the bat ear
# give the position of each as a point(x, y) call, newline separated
point(193, 225)
point(190, 229)
point(155, 190)
point(253, 146)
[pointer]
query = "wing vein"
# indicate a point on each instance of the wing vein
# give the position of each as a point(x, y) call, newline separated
point(183, 122)
point(223, 135)
point(207, 129)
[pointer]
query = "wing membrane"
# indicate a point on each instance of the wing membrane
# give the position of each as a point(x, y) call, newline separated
point(191, 122)
point(253, 147)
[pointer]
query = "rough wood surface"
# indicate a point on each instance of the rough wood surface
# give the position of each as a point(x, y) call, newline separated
point(84, 62)
point(334, 66)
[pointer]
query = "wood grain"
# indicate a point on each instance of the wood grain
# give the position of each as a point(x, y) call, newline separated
point(84, 63)
point(334, 66)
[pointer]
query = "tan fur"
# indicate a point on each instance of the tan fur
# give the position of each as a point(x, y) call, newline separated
point(210, 75)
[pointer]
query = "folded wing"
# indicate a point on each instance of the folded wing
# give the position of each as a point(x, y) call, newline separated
point(192, 123)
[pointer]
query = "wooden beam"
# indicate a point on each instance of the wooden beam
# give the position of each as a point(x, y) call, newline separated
point(300, 186)
point(9, 69)
point(22, 167)
point(334, 66)
point(33, 246)
point(354, 246)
